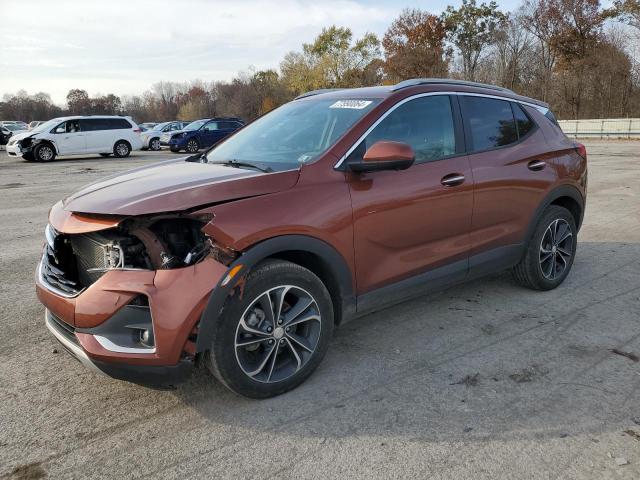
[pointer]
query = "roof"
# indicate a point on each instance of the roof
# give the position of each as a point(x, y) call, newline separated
point(422, 84)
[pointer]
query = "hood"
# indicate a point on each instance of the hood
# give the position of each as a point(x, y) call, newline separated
point(21, 134)
point(173, 186)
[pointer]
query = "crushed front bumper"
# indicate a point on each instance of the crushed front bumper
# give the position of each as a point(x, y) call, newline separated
point(176, 300)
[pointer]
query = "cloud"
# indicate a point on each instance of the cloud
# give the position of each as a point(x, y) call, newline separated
point(123, 47)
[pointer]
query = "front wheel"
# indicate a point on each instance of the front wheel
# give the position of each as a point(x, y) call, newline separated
point(550, 252)
point(121, 149)
point(154, 144)
point(268, 340)
point(44, 153)
point(192, 146)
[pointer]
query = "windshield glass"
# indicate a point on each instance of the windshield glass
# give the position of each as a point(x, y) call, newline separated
point(47, 125)
point(195, 125)
point(159, 126)
point(296, 133)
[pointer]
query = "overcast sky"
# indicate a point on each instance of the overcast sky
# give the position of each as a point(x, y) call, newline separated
point(122, 47)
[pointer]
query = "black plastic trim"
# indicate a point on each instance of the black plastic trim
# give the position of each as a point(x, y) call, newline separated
point(161, 376)
point(264, 250)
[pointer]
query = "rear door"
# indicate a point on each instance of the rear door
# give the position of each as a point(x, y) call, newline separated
point(95, 132)
point(512, 170)
point(417, 220)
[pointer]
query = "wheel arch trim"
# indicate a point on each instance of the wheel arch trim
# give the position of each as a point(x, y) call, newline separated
point(268, 248)
point(556, 193)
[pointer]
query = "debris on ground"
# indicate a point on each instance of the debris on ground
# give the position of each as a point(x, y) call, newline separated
point(633, 433)
point(467, 429)
point(468, 380)
point(55, 350)
point(528, 374)
point(631, 356)
point(621, 461)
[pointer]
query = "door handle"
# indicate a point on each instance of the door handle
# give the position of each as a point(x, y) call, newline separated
point(452, 179)
point(536, 165)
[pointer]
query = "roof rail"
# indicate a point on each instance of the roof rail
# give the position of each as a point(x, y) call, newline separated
point(447, 81)
point(317, 92)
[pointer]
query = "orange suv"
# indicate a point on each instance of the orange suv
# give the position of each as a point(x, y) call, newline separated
point(247, 256)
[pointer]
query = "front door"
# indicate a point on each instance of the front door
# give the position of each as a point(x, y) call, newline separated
point(416, 220)
point(69, 138)
point(209, 134)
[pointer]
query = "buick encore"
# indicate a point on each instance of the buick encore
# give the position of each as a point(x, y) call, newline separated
point(105, 135)
point(244, 258)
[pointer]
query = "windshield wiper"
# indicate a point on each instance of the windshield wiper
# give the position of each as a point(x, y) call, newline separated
point(239, 164)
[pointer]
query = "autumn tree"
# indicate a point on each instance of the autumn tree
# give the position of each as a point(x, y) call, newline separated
point(626, 10)
point(472, 29)
point(414, 46)
point(332, 60)
point(78, 102)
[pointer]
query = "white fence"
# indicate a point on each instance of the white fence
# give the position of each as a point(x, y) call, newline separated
point(602, 128)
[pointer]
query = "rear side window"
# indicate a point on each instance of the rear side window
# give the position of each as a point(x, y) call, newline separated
point(523, 122)
point(117, 123)
point(490, 122)
point(425, 123)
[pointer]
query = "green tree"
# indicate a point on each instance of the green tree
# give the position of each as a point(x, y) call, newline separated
point(472, 29)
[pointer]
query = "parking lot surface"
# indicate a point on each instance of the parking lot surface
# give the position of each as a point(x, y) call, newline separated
point(484, 380)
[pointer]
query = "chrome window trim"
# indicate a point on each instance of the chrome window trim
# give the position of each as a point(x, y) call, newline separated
point(540, 108)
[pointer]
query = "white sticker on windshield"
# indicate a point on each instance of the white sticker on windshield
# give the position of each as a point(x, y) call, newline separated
point(354, 104)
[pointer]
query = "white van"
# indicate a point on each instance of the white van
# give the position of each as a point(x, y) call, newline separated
point(106, 135)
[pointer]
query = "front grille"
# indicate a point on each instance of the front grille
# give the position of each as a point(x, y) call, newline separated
point(58, 268)
point(66, 330)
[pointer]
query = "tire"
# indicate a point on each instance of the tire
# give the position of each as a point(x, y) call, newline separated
point(154, 144)
point(105, 154)
point(192, 146)
point(174, 149)
point(550, 252)
point(121, 149)
point(44, 152)
point(238, 366)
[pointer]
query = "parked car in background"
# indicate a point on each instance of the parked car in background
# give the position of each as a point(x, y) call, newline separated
point(147, 125)
point(22, 125)
point(151, 137)
point(34, 124)
point(201, 134)
point(245, 258)
point(103, 134)
point(7, 131)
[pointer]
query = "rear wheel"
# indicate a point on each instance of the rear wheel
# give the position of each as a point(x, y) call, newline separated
point(44, 152)
point(154, 144)
point(268, 340)
point(121, 149)
point(550, 253)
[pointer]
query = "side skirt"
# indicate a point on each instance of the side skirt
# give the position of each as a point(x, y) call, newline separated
point(439, 278)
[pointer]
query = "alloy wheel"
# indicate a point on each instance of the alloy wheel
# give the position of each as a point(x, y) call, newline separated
point(556, 249)
point(277, 334)
point(192, 146)
point(45, 153)
point(155, 144)
point(122, 149)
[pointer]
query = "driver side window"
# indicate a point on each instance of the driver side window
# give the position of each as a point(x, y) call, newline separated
point(425, 123)
point(210, 127)
point(70, 126)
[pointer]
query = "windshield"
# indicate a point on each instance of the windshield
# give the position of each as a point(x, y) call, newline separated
point(159, 126)
point(46, 125)
point(296, 133)
point(195, 125)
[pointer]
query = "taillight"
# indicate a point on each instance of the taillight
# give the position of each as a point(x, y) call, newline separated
point(582, 150)
point(137, 130)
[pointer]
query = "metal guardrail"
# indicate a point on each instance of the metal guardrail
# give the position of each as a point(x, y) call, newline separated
point(602, 128)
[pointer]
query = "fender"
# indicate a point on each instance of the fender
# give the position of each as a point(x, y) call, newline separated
point(556, 193)
point(264, 250)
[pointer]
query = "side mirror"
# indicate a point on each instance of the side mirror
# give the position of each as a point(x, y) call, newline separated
point(385, 155)
point(60, 129)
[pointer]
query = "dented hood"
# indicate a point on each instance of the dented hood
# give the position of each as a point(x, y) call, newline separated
point(174, 186)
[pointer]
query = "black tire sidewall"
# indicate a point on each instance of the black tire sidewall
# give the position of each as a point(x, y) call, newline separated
point(267, 275)
point(553, 213)
point(115, 149)
point(36, 153)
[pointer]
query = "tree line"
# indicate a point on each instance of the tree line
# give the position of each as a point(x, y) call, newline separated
point(573, 54)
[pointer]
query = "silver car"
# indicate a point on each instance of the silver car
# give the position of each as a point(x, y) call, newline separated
point(151, 138)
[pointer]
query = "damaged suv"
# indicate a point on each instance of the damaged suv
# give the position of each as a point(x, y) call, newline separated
point(245, 257)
